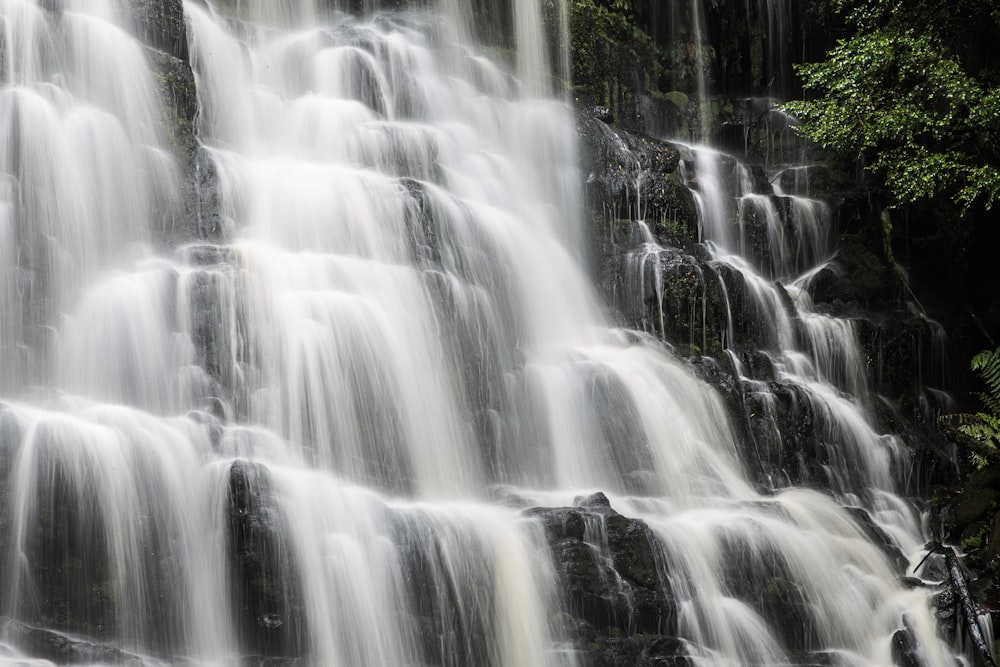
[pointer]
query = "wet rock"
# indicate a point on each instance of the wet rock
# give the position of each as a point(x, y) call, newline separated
point(665, 652)
point(209, 255)
point(905, 650)
point(879, 537)
point(860, 277)
point(202, 198)
point(423, 231)
point(667, 292)
point(631, 545)
point(610, 572)
point(161, 25)
point(969, 517)
point(266, 592)
point(816, 181)
point(752, 326)
point(758, 574)
point(905, 352)
point(596, 501)
point(631, 177)
point(453, 628)
point(207, 316)
point(62, 649)
point(561, 523)
point(66, 552)
point(638, 651)
point(813, 658)
point(175, 84)
point(261, 661)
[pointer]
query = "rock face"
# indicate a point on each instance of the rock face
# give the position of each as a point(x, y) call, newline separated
point(266, 590)
point(61, 649)
point(617, 587)
point(701, 307)
point(619, 609)
point(161, 25)
point(630, 177)
point(619, 606)
point(660, 279)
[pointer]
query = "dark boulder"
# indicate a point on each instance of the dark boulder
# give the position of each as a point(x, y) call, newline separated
point(267, 596)
point(612, 576)
point(879, 537)
point(905, 649)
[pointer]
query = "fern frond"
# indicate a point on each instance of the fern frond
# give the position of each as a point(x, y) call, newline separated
point(990, 401)
point(982, 427)
point(978, 433)
point(986, 364)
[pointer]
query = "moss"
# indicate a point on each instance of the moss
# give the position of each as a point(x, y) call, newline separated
point(612, 59)
point(677, 98)
point(973, 540)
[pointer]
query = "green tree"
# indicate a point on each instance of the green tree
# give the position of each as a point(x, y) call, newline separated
point(913, 94)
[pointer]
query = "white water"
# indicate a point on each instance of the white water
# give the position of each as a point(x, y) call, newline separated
point(393, 325)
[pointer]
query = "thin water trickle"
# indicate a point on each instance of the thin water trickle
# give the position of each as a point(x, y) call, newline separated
point(286, 441)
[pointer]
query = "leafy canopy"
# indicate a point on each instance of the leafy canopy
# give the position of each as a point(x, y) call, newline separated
point(914, 95)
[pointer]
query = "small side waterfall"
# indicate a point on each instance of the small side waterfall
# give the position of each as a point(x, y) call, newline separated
point(801, 375)
point(366, 417)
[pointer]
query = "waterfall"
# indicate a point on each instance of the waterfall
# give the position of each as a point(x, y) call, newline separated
point(330, 428)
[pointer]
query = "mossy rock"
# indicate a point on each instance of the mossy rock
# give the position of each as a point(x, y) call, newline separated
point(677, 98)
point(975, 505)
point(630, 542)
point(161, 25)
point(612, 590)
point(175, 85)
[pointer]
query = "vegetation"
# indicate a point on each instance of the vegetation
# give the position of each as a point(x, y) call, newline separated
point(914, 94)
point(981, 430)
point(611, 55)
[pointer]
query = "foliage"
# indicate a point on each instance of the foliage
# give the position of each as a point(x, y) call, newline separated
point(609, 50)
point(912, 96)
point(987, 365)
point(982, 429)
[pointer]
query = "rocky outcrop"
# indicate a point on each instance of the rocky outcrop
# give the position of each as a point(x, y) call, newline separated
point(617, 587)
point(630, 177)
point(69, 566)
point(662, 281)
point(175, 84)
point(63, 649)
point(266, 591)
point(161, 25)
point(613, 578)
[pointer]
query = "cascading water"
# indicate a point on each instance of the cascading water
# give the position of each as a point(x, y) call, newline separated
point(309, 436)
point(760, 247)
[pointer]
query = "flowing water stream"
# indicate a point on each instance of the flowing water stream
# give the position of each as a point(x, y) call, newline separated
point(309, 435)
